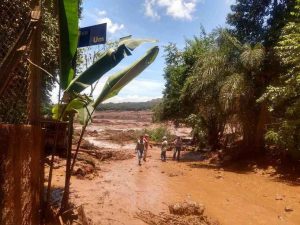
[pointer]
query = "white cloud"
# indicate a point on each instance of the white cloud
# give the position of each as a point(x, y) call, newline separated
point(143, 87)
point(149, 9)
point(177, 9)
point(101, 12)
point(111, 26)
point(100, 16)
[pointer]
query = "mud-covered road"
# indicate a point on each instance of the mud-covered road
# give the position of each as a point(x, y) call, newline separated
point(231, 197)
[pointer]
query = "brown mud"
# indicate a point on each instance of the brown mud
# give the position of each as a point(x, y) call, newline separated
point(119, 190)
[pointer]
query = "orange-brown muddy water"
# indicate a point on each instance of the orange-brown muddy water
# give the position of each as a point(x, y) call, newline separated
point(123, 188)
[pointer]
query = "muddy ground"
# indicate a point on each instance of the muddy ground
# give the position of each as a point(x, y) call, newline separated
point(113, 189)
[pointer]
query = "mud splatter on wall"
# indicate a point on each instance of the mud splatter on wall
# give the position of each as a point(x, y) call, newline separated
point(21, 174)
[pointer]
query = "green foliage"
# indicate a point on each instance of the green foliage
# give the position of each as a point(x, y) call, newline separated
point(50, 52)
point(284, 96)
point(252, 57)
point(69, 32)
point(63, 111)
point(157, 110)
point(213, 81)
point(258, 21)
point(156, 134)
point(217, 78)
point(199, 130)
point(87, 56)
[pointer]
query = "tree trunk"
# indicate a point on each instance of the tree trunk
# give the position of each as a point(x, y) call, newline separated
point(254, 129)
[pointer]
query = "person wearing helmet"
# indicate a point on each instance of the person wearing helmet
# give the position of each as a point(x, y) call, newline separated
point(147, 144)
point(139, 149)
point(164, 147)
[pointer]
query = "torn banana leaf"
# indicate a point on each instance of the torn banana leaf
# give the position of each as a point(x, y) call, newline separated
point(116, 82)
point(106, 62)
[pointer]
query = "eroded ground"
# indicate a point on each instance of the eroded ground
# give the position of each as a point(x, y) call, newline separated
point(118, 188)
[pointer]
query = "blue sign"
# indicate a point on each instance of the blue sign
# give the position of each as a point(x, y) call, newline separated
point(93, 35)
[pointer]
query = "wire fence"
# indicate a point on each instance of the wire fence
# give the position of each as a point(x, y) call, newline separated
point(15, 48)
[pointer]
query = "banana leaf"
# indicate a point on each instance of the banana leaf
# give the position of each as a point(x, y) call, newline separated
point(84, 114)
point(60, 111)
point(132, 43)
point(68, 26)
point(106, 62)
point(116, 82)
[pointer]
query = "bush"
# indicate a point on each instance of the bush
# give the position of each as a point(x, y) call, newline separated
point(156, 134)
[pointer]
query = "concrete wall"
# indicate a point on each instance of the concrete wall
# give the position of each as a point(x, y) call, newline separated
point(21, 174)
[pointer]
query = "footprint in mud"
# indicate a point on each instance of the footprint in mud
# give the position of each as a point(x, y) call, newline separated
point(107, 181)
point(103, 197)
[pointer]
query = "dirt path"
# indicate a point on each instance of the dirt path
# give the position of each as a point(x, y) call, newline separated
point(231, 198)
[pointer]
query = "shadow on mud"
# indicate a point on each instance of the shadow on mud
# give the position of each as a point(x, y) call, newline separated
point(192, 157)
point(279, 170)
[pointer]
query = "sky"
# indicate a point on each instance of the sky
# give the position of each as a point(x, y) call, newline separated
point(166, 20)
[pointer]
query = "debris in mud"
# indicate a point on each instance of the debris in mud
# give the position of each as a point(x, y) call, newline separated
point(113, 155)
point(187, 208)
point(219, 176)
point(167, 219)
point(88, 145)
point(93, 133)
point(119, 136)
point(288, 209)
point(175, 174)
point(279, 197)
point(84, 220)
point(85, 167)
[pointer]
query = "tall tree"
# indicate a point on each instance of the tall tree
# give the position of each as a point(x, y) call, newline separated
point(283, 95)
point(248, 20)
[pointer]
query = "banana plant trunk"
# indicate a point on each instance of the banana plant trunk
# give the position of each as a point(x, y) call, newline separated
point(65, 199)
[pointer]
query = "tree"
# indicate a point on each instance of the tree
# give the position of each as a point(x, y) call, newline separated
point(174, 75)
point(221, 85)
point(259, 21)
point(248, 20)
point(283, 95)
point(50, 52)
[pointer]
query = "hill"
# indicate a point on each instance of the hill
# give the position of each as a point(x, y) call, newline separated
point(132, 106)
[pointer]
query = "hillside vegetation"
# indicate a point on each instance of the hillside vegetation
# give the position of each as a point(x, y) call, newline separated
point(131, 106)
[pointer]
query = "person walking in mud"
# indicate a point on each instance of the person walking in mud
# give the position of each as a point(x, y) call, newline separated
point(177, 149)
point(139, 149)
point(147, 144)
point(164, 147)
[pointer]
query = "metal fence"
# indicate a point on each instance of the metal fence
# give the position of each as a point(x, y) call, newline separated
point(17, 25)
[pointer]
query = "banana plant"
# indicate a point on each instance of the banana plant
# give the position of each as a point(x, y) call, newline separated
point(73, 102)
point(117, 81)
point(106, 62)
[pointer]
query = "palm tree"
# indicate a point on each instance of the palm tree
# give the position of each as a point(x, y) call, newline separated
point(241, 89)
